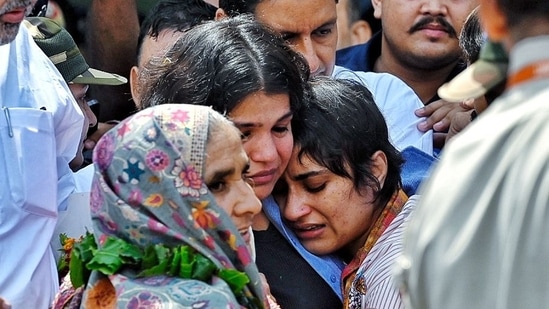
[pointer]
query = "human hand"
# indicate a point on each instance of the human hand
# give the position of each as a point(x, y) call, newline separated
point(4, 304)
point(271, 301)
point(459, 121)
point(439, 115)
point(102, 128)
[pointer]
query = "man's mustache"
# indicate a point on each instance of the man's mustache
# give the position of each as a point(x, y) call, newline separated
point(434, 20)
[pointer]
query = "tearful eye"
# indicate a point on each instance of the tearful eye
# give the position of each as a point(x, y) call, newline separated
point(280, 129)
point(216, 186)
point(315, 189)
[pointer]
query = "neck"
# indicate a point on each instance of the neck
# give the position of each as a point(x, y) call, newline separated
point(424, 82)
point(348, 252)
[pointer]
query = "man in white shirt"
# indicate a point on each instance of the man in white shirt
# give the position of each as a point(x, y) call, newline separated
point(40, 125)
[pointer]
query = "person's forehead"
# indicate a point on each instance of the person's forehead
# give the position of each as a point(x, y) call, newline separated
point(225, 149)
point(296, 16)
point(342, 7)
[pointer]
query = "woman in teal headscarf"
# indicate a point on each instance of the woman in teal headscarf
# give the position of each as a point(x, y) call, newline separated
point(171, 210)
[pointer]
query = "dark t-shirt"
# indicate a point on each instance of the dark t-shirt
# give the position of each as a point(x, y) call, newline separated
point(293, 282)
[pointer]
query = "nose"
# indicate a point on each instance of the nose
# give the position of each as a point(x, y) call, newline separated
point(92, 119)
point(435, 7)
point(263, 150)
point(248, 203)
point(307, 49)
point(295, 207)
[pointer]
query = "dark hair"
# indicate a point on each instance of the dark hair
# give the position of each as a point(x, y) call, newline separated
point(175, 15)
point(220, 63)
point(237, 7)
point(471, 37)
point(363, 10)
point(524, 11)
point(341, 129)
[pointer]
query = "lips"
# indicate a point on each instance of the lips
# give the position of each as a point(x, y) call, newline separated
point(263, 177)
point(15, 16)
point(434, 31)
point(308, 231)
point(435, 26)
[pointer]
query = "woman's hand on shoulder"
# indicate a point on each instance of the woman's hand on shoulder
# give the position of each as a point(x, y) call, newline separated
point(271, 301)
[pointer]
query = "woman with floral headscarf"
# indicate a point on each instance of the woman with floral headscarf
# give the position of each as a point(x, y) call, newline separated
point(172, 213)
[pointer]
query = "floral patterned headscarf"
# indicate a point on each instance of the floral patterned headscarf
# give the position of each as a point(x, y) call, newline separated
point(148, 189)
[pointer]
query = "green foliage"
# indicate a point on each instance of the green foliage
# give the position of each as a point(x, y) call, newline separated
point(180, 261)
point(82, 251)
point(236, 279)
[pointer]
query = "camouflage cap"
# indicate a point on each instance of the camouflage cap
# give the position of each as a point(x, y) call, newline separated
point(59, 46)
point(488, 71)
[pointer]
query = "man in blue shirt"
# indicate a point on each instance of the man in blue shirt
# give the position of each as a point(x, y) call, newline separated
point(418, 44)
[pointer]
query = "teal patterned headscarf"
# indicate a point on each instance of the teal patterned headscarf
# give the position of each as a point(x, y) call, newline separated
point(149, 189)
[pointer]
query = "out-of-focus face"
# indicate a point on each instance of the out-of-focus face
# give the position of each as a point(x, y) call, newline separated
point(422, 34)
point(79, 93)
point(265, 122)
point(225, 167)
point(324, 210)
point(343, 31)
point(150, 48)
point(308, 25)
point(12, 13)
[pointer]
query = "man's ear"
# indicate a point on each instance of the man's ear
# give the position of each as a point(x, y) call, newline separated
point(220, 14)
point(134, 86)
point(493, 20)
point(377, 8)
point(379, 166)
point(361, 32)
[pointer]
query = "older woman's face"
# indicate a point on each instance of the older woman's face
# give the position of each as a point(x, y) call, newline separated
point(225, 167)
point(325, 210)
point(265, 122)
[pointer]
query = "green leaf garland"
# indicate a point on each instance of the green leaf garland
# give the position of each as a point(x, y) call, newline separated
point(180, 261)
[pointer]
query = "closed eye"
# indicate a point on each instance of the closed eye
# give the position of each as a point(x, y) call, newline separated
point(315, 189)
point(281, 129)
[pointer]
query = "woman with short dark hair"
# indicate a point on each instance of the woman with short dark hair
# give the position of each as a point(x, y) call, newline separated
point(344, 190)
